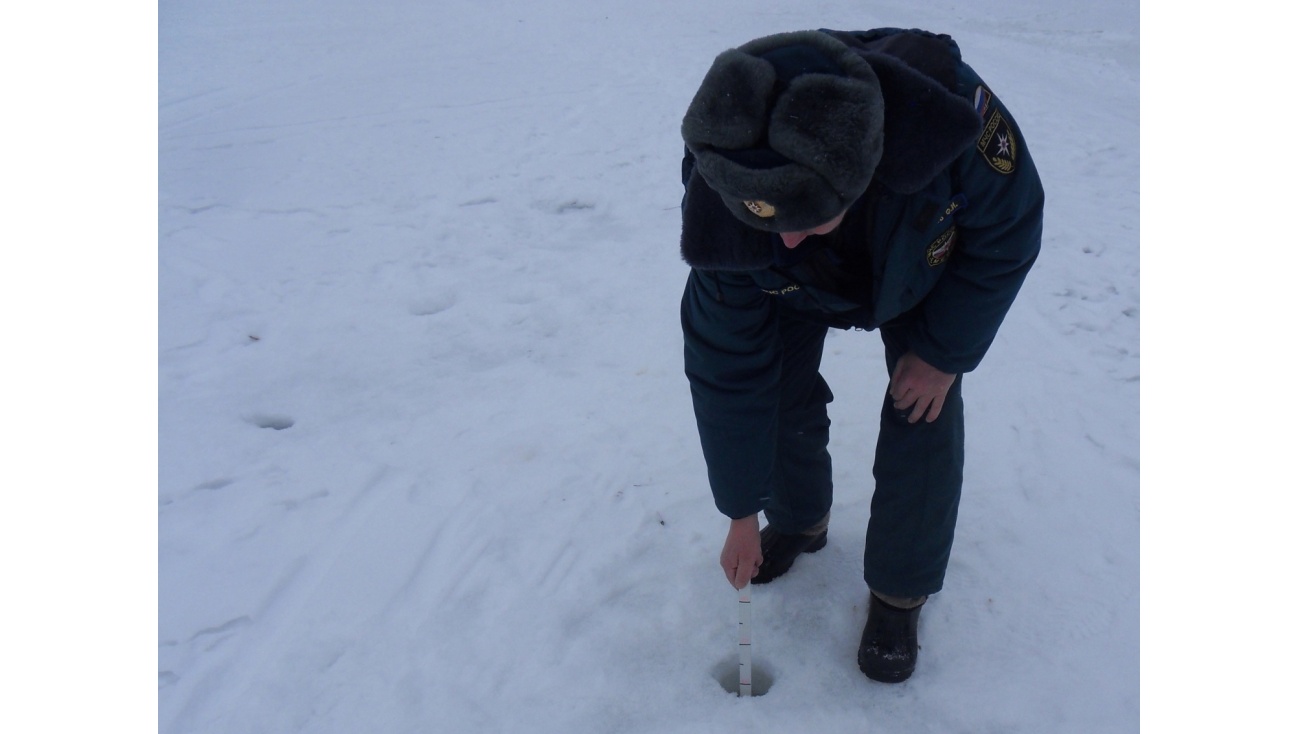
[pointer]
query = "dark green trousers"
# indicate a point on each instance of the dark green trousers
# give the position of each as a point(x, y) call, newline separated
point(918, 468)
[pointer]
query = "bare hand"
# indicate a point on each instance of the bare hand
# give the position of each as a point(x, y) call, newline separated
point(919, 387)
point(742, 554)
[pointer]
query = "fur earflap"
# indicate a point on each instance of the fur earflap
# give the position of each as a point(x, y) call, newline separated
point(729, 110)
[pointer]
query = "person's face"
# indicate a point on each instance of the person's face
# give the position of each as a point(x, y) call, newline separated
point(792, 239)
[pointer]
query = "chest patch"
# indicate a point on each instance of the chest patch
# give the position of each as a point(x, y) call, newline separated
point(997, 142)
point(941, 249)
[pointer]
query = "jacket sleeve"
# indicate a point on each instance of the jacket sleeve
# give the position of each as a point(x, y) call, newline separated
point(999, 233)
point(732, 358)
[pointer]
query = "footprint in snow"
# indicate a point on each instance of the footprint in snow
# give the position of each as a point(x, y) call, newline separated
point(574, 205)
point(432, 305)
point(275, 422)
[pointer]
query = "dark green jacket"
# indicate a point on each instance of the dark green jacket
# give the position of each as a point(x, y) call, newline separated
point(938, 246)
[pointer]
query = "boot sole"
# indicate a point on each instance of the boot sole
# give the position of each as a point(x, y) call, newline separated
point(882, 677)
point(817, 544)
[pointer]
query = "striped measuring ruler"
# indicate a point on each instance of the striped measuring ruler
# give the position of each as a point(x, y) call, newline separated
point(746, 666)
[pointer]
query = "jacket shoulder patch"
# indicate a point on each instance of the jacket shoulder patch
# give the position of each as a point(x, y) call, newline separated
point(997, 143)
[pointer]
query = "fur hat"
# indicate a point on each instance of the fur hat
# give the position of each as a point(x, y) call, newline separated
point(787, 130)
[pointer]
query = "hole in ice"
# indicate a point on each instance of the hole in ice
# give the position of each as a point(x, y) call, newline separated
point(727, 673)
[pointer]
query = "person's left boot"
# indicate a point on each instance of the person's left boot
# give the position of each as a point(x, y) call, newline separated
point(889, 646)
point(780, 549)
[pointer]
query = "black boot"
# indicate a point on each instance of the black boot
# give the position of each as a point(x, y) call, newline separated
point(780, 550)
point(888, 650)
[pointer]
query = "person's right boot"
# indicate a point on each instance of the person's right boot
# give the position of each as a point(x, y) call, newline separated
point(889, 645)
point(780, 549)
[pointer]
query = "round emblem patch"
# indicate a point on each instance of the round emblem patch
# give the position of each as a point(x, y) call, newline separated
point(939, 250)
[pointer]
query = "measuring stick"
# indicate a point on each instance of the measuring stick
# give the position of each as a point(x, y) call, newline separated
point(746, 687)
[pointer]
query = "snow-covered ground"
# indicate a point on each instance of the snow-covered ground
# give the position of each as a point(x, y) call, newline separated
point(426, 457)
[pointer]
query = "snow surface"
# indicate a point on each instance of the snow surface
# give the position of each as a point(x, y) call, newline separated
point(427, 460)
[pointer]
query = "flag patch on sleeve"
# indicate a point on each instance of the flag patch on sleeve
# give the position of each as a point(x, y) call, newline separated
point(982, 97)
